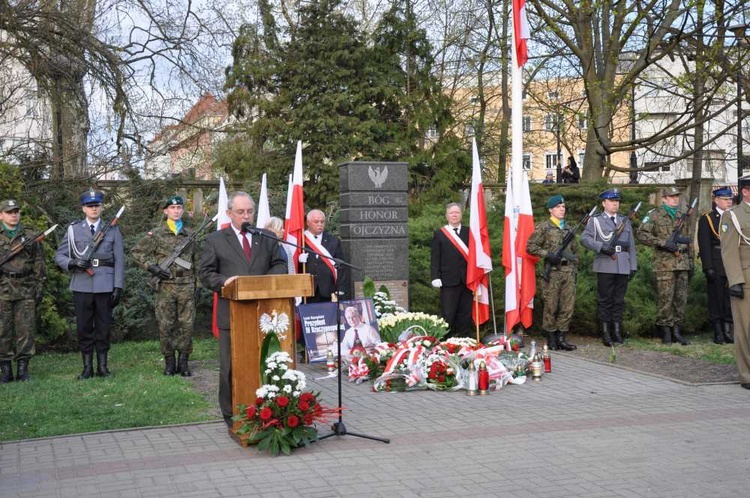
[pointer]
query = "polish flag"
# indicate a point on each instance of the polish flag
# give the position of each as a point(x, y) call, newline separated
point(479, 263)
point(294, 222)
point(520, 277)
point(520, 31)
point(221, 223)
point(264, 211)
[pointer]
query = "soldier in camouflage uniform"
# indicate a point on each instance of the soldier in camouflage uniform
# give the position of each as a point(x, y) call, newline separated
point(672, 264)
point(175, 295)
point(21, 281)
point(559, 293)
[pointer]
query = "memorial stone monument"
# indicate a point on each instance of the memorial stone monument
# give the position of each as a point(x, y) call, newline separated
point(374, 230)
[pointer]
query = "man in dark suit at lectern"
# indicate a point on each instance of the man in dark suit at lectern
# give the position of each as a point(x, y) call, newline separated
point(450, 251)
point(228, 254)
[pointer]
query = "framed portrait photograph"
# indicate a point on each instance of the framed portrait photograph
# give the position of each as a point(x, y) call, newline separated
point(359, 326)
point(320, 325)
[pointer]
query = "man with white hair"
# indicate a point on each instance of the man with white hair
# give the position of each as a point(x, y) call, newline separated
point(331, 279)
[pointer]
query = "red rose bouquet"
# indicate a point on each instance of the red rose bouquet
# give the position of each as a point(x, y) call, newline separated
point(284, 415)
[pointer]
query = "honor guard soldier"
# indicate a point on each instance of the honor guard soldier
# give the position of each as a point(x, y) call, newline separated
point(175, 294)
point(97, 279)
point(735, 254)
point(672, 264)
point(610, 235)
point(719, 307)
point(21, 279)
point(559, 293)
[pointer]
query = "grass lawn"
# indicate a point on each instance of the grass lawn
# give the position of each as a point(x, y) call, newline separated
point(136, 395)
point(701, 347)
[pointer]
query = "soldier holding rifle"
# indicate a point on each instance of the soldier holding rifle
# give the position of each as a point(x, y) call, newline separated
point(552, 240)
point(22, 276)
point(92, 251)
point(662, 229)
point(170, 254)
point(610, 236)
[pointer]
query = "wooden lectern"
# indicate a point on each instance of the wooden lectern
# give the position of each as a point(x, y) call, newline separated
point(250, 298)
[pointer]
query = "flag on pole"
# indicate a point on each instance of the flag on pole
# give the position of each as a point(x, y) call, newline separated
point(520, 31)
point(512, 313)
point(480, 262)
point(221, 223)
point(294, 222)
point(526, 262)
point(264, 211)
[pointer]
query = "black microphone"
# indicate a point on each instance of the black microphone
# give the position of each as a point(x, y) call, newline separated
point(249, 228)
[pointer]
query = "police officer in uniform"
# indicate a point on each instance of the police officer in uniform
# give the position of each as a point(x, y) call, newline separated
point(21, 287)
point(735, 253)
point(615, 264)
point(175, 295)
point(719, 308)
point(559, 293)
point(672, 265)
point(96, 284)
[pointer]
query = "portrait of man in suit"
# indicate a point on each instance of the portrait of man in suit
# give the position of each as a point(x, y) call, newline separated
point(226, 255)
point(450, 251)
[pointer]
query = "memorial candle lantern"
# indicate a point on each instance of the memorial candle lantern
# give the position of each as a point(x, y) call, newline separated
point(483, 379)
point(471, 384)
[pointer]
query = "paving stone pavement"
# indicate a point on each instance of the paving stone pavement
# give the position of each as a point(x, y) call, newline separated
point(586, 429)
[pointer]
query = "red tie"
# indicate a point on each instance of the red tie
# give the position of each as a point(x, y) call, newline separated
point(246, 246)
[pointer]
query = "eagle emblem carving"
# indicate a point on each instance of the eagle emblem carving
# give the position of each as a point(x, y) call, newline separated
point(378, 175)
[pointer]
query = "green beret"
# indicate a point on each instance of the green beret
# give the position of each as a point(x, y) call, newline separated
point(554, 201)
point(174, 200)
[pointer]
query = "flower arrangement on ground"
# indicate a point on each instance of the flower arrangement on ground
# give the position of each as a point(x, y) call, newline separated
point(284, 415)
point(399, 327)
point(384, 305)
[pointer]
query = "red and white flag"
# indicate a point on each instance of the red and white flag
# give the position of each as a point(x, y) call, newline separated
point(221, 223)
point(520, 31)
point(520, 277)
point(480, 262)
point(264, 211)
point(294, 223)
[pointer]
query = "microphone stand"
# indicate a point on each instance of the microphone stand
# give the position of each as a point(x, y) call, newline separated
point(338, 427)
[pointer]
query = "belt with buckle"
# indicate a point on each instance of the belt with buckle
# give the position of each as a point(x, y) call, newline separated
point(95, 263)
point(622, 248)
point(564, 262)
point(17, 274)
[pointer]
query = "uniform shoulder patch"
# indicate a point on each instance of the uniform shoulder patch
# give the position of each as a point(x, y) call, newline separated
point(724, 227)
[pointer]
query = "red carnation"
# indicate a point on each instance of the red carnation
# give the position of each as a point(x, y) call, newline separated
point(266, 413)
point(304, 406)
point(292, 421)
point(250, 412)
point(259, 400)
point(441, 378)
point(308, 419)
point(282, 401)
point(307, 396)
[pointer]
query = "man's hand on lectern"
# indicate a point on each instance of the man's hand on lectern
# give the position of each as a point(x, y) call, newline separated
point(229, 280)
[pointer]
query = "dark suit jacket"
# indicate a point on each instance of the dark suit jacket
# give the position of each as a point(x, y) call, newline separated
point(222, 257)
point(447, 262)
point(708, 242)
point(324, 285)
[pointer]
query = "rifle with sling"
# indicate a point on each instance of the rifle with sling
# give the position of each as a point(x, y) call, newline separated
point(96, 241)
point(174, 257)
point(558, 253)
point(19, 248)
point(676, 237)
point(621, 228)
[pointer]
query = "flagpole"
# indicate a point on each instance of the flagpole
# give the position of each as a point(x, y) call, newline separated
point(492, 304)
point(476, 313)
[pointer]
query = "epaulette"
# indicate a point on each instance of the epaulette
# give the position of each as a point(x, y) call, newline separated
point(646, 218)
point(75, 222)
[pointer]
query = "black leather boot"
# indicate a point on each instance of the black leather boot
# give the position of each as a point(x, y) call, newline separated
point(6, 367)
point(88, 366)
point(729, 332)
point(169, 364)
point(23, 371)
point(564, 345)
point(677, 336)
point(182, 360)
point(552, 343)
point(617, 333)
point(606, 339)
point(665, 331)
point(718, 333)
point(101, 364)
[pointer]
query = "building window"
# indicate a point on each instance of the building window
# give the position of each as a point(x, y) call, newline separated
point(549, 122)
point(581, 156)
point(524, 94)
point(553, 95)
point(550, 161)
point(469, 130)
point(527, 123)
point(656, 166)
point(432, 132)
point(527, 162)
point(582, 122)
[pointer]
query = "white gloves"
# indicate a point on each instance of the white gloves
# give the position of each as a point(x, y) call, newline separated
point(303, 257)
point(437, 283)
